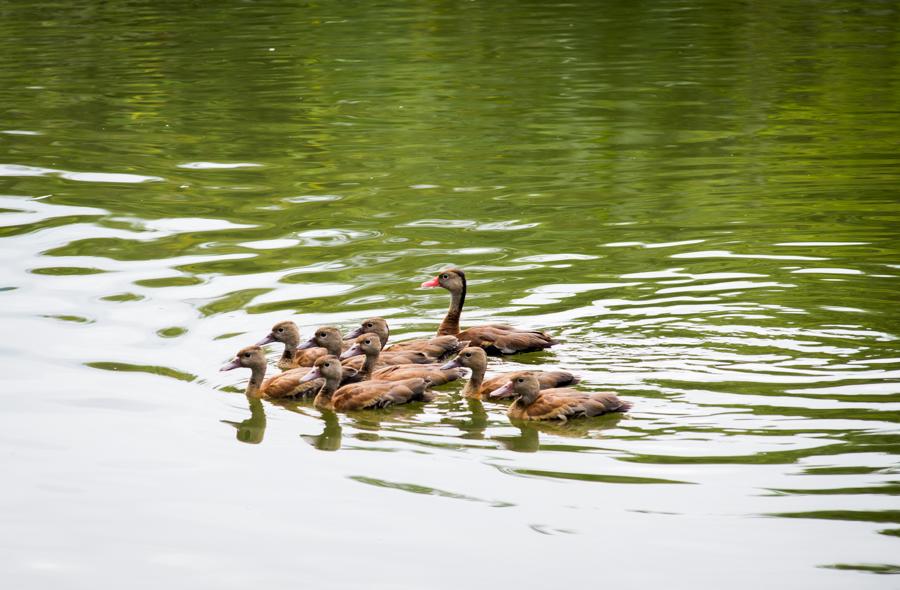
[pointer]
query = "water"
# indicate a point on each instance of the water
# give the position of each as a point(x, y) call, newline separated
point(699, 198)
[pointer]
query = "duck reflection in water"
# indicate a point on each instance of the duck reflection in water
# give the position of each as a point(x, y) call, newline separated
point(473, 423)
point(528, 440)
point(251, 430)
point(330, 438)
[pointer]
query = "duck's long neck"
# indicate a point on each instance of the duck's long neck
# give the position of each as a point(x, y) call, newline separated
point(473, 387)
point(450, 325)
point(254, 386)
point(323, 398)
point(333, 346)
point(289, 351)
point(369, 365)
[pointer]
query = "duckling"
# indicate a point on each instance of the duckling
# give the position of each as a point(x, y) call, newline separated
point(558, 403)
point(495, 338)
point(289, 384)
point(329, 339)
point(294, 354)
point(435, 348)
point(365, 395)
point(371, 368)
point(475, 358)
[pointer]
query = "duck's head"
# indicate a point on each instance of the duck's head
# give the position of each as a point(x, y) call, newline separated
point(325, 337)
point(452, 279)
point(326, 367)
point(367, 344)
point(378, 326)
point(525, 385)
point(472, 357)
point(252, 357)
point(286, 332)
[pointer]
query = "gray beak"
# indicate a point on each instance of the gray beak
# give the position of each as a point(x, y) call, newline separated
point(355, 333)
point(451, 364)
point(351, 352)
point(234, 364)
point(313, 374)
point(501, 391)
point(267, 340)
point(311, 343)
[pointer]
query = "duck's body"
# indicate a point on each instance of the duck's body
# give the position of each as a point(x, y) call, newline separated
point(434, 348)
point(367, 348)
point(478, 387)
point(494, 338)
point(365, 395)
point(289, 384)
point(560, 403)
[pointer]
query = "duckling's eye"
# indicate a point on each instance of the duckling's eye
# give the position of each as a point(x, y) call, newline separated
point(444, 276)
point(280, 330)
point(468, 354)
point(246, 355)
point(321, 334)
point(520, 380)
point(369, 325)
point(326, 364)
point(368, 342)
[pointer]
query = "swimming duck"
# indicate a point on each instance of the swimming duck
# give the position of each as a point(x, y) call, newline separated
point(495, 338)
point(365, 395)
point(558, 403)
point(475, 358)
point(289, 384)
point(296, 355)
point(372, 368)
point(435, 348)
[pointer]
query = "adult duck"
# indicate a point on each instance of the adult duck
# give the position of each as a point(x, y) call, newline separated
point(562, 403)
point(297, 355)
point(475, 359)
point(435, 348)
point(289, 384)
point(369, 346)
point(365, 395)
point(495, 338)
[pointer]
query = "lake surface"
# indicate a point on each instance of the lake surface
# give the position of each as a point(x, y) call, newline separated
point(700, 199)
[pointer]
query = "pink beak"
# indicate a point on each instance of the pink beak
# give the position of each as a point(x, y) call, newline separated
point(432, 283)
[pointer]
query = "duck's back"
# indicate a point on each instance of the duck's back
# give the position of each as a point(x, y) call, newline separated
point(379, 394)
point(564, 403)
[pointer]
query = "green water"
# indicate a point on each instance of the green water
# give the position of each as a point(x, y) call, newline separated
point(700, 199)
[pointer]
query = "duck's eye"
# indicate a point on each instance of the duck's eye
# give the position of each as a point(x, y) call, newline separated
point(444, 276)
point(246, 355)
point(321, 334)
point(280, 330)
point(369, 325)
point(326, 365)
point(520, 380)
point(468, 354)
point(368, 342)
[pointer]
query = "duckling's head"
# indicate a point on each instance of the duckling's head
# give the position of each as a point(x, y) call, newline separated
point(286, 332)
point(378, 326)
point(252, 357)
point(452, 279)
point(471, 357)
point(367, 344)
point(326, 367)
point(525, 385)
point(326, 337)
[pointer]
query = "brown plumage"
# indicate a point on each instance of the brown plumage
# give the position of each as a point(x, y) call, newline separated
point(494, 338)
point(557, 404)
point(365, 395)
point(478, 387)
point(297, 355)
point(369, 345)
point(435, 348)
point(289, 384)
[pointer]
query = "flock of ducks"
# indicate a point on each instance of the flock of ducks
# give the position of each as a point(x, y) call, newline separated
point(356, 372)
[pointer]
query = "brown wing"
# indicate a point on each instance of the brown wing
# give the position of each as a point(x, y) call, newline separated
point(308, 357)
point(434, 348)
point(547, 379)
point(288, 384)
point(378, 394)
point(405, 357)
point(562, 403)
point(497, 338)
point(433, 371)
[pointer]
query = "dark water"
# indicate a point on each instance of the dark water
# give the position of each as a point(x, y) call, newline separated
point(702, 199)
